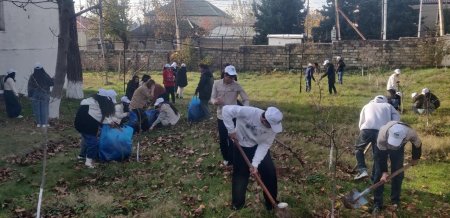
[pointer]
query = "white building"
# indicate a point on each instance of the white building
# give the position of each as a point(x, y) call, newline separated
point(283, 39)
point(26, 37)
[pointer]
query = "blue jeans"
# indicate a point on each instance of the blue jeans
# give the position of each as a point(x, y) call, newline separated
point(396, 157)
point(340, 75)
point(365, 137)
point(308, 84)
point(39, 103)
point(91, 145)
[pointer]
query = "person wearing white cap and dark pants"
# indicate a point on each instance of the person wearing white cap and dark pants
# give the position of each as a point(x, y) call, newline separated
point(39, 85)
point(255, 130)
point(372, 117)
point(309, 74)
point(226, 92)
point(394, 81)
point(391, 142)
point(340, 68)
point(12, 104)
point(426, 102)
point(168, 114)
point(329, 72)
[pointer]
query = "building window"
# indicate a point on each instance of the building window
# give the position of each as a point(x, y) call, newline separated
point(2, 17)
point(158, 42)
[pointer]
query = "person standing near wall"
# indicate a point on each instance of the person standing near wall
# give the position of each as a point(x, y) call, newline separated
point(309, 74)
point(181, 80)
point(340, 68)
point(329, 72)
point(394, 81)
point(169, 81)
point(39, 85)
point(12, 104)
point(204, 88)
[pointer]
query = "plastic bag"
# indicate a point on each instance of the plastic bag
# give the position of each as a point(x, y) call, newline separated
point(115, 143)
point(195, 112)
point(152, 115)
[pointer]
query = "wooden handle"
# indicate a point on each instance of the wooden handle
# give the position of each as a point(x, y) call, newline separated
point(258, 179)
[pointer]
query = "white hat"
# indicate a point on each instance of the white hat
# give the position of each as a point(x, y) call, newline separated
point(112, 95)
point(309, 65)
point(399, 94)
point(380, 99)
point(159, 101)
point(414, 94)
point(38, 65)
point(397, 71)
point(230, 70)
point(326, 62)
point(166, 65)
point(10, 71)
point(125, 99)
point(183, 65)
point(103, 92)
point(174, 65)
point(425, 91)
point(274, 117)
point(338, 58)
point(397, 133)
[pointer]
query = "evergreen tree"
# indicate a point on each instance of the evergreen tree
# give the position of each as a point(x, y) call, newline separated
point(401, 19)
point(278, 17)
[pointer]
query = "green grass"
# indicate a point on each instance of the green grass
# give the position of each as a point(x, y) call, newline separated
point(179, 171)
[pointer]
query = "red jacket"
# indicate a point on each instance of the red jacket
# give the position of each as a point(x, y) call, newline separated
point(168, 78)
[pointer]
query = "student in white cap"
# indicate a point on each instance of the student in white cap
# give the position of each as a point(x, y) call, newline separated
point(226, 92)
point(168, 114)
point(309, 74)
point(330, 73)
point(255, 130)
point(11, 96)
point(372, 117)
point(182, 81)
point(426, 102)
point(391, 142)
point(340, 68)
point(92, 113)
point(394, 80)
point(169, 81)
point(39, 85)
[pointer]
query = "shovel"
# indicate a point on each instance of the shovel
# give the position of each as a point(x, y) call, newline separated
point(355, 200)
point(281, 210)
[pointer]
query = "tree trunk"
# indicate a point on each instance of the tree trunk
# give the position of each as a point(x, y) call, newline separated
point(64, 7)
point(74, 70)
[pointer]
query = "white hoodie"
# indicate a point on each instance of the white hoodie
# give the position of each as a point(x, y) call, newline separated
point(94, 110)
point(377, 113)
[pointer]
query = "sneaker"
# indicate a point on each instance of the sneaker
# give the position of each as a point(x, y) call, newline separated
point(38, 126)
point(376, 211)
point(282, 205)
point(225, 163)
point(79, 157)
point(20, 116)
point(89, 163)
point(361, 175)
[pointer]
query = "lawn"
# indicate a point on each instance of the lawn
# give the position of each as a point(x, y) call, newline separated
point(179, 172)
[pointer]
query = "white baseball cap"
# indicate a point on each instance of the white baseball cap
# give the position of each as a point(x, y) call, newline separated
point(166, 65)
point(125, 99)
point(38, 65)
point(174, 64)
point(230, 70)
point(274, 117)
point(397, 134)
point(112, 95)
point(425, 91)
point(10, 71)
point(326, 62)
point(103, 92)
point(159, 101)
point(397, 71)
point(338, 58)
point(414, 94)
point(183, 65)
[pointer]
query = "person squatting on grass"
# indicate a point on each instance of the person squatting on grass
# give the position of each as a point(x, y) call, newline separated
point(340, 69)
point(255, 130)
point(391, 142)
point(329, 72)
point(204, 89)
point(169, 81)
point(132, 85)
point(39, 85)
point(425, 103)
point(11, 96)
point(225, 92)
point(168, 114)
point(373, 115)
point(309, 74)
point(92, 113)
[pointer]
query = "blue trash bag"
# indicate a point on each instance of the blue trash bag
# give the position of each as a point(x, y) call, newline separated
point(195, 112)
point(152, 115)
point(132, 119)
point(115, 143)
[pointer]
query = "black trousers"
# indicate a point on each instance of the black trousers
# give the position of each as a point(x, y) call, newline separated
point(143, 123)
point(331, 87)
point(170, 90)
point(241, 173)
point(226, 145)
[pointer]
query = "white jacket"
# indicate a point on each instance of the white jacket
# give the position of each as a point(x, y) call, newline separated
point(377, 113)
point(392, 82)
point(95, 112)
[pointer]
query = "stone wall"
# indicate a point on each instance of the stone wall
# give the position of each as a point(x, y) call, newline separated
point(406, 52)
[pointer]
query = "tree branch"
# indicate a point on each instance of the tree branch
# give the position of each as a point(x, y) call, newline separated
point(86, 10)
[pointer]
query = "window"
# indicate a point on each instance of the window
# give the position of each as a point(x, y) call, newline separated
point(2, 17)
point(158, 42)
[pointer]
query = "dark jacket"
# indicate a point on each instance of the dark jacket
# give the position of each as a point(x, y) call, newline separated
point(39, 81)
point(426, 101)
point(182, 77)
point(329, 73)
point(131, 87)
point(309, 73)
point(85, 123)
point(340, 66)
point(204, 87)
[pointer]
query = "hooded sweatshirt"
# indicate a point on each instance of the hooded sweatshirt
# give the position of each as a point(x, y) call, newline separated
point(89, 116)
point(377, 113)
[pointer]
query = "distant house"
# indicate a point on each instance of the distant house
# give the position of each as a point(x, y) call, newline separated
point(199, 12)
point(26, 37)
point(430, 14)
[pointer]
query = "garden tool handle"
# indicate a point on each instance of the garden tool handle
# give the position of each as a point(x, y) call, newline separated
point(258, 179)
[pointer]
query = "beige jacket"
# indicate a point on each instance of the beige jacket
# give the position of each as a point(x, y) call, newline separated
point(228, 93)
point(166, 116)
point(141, 97)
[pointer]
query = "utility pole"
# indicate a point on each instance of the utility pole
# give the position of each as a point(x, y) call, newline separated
point(177, 29)
point(441, 19)
point(384, 17)
point(102, 44)
point(419, 29)
point(338, 26)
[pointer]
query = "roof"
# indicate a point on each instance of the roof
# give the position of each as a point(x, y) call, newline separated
point(230, 32)
point(193, 8)
point(435, 1)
